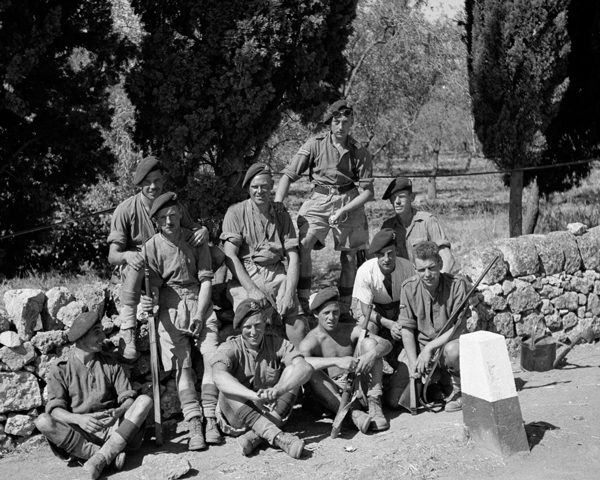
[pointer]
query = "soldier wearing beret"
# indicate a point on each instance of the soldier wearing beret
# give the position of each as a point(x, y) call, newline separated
point(130, 227)
point(337, 165)
point(430, 298)
point(181, 283)
point(329, 348)
point(258, 375)
point(92, 413)
point(413, 226)
point(257, 239)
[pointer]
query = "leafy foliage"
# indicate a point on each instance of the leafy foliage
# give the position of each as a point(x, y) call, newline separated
point(57, 60)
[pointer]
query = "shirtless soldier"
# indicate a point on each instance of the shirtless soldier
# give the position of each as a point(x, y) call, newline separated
point(329, 349)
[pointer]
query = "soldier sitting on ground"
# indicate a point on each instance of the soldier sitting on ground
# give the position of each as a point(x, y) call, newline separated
point(92, 413)
point(329, 348)
point(180, 278)
point(258, 375)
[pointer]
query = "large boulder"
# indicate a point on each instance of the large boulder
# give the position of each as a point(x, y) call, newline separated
point(94, 296)
point(589, 248)
point(56, 298)
point(552, 257)
point(20, 425)
point(476, 261)
point(47, 341)
point(24, 307)
point(70, 312)
point(19, 391)
point(524, 299)
point(16, 358)
point(520, 254)
point(570, 250)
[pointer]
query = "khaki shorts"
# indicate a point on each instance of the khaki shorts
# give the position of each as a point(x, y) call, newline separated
point(177, 309)
point(352, 232)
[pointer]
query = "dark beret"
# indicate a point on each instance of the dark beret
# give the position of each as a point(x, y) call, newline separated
point(323, 296)
point(147, 165)
point(168, 199)
point(81, 325)
point(398, 184)
point(253, 171)
point(334, 107)
point(383, 238)
point(248, 308)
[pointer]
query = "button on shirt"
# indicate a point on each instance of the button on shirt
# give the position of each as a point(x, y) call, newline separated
point(330, 167)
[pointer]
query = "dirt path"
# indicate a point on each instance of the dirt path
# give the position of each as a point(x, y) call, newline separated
point(564, 404)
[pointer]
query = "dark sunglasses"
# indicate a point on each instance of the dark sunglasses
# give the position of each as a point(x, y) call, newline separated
point(346, 112)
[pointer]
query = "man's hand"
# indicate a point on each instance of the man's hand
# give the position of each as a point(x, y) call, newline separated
point(147, 303)
point(396, 331)
point(197, 237)
point(347, 363)
point(196, 327)
point(93, 422)
point(286, 303)
point(260, 298)
point(366, 362)
point(334, 219)
point(270, 394)
point(279, 207)
point(423, 361)
point(134, 260)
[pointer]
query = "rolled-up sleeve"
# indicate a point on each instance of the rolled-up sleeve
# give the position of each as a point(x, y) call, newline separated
point(365, 169)
point(224, 355)
point(436, 232)
point(290, 239)
point(408, 317)
point(58, 393)
point(233, 225)
point(299, 162)
point(204, 263)
point(119, 228)
point(287, 352)
point(361, 290)
point(122, 385)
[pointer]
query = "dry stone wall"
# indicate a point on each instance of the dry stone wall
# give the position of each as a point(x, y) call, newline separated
point(549, 279)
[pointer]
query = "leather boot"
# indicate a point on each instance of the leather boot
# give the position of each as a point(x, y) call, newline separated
point(107, 453)
point(127, 347)
point(378, 422)
point(212, 433)
point(362, 420)
point(196, 435)
point(454, 401)
point(249, 442)
point(290, 444)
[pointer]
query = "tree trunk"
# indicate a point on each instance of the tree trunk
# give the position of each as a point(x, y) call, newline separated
point(431, 186)
point(515, 206)
point(469, 160)
point(533, 208)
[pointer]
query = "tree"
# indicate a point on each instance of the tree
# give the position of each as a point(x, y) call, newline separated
point(57, 60)
point(526, 80)
point(215, 76)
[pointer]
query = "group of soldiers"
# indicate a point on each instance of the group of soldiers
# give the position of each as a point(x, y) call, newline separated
point(384, 314)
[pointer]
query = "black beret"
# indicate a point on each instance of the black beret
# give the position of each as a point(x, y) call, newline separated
point(147, 165)
point(248, 308)
point(398, 184)
point(255, 170)
point(383, 238)
point(81, 325)
point(168, 199)
point(334, 107)
point(323, 296)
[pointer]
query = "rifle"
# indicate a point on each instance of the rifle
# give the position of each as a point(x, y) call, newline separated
point(451, 323)
point(154, 366)
point(346, 402)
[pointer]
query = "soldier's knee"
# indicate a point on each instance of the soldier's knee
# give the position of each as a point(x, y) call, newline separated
point(367, 344)
point(45, 423)
point(452, 351)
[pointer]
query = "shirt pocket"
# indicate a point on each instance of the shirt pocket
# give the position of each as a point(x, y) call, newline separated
point(268, 377)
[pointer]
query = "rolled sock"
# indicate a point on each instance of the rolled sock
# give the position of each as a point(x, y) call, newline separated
point(210, 397)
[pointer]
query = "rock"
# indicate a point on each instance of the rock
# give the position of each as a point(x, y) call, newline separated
point(16, 358)
point(94, 296)
point(591, 275)
point(19, 391)
point(581, 312)
point(6, 442)
point(553, 280)
point(524, 299)
point(141, 367)
point(581, 285)
point(163, 466)
point(47, 341)
point(498, 303)
point(589, 248)
point(508, 287)
point(169, 400)
point(550, 291)
point(10, 339)
point(593, 304)
point(70, 312)
point(107, 325)
point(503, 324)
point(34, 442)
point(581, 298)
point(496, 289)
point(476, 260)
point(142, 340)
point(553, 322)
point(23, 308)
point(570, 320)
point(20, 425)
point(567, 301)
point(570, 250)
point(520, 254)
point(4, 321)
point(43, 363)
point(513, 345)
point(56, 298)
point(547, 308)
point(528, 322)
point(576, 228)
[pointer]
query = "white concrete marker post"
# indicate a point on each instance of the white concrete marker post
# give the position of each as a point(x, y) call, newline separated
point(491, 409)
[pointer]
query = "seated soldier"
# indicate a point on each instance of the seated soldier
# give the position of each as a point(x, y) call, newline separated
point(256, 240)
point(92, 412)
point(330, 346)
point(379, 282)
point(258, 375)
point(430, 298)
point(180, 279)
point(130, 227)
point(413, 226)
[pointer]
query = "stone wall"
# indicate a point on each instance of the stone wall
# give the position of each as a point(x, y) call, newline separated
point(552, 279)
point(33, 331)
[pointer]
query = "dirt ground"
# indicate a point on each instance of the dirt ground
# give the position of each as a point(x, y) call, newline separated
point(561, 410)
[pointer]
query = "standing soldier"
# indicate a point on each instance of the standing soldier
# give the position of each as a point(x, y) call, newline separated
point(180, 280)
point(335, 162)
point(130, 227)
point(257, 239)
point(413, 226)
